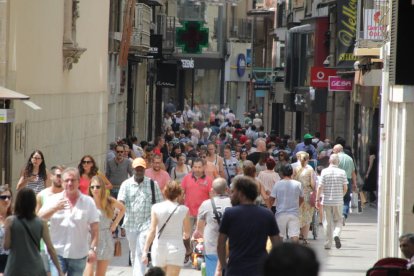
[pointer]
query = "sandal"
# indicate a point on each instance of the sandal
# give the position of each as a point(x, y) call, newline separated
point(187, 258)
point(305, 242)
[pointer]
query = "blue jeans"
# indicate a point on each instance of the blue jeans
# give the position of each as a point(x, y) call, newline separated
point(211, 264)
point(347, 199)
point(136, 240)
point(73, 267)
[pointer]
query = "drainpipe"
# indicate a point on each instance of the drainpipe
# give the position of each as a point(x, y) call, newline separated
point(332, 49)
point(3, 40)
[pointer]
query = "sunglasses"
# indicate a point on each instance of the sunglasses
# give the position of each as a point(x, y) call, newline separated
point(87, 162)
point(4, 197)
point(58, 175)
point(120, 151)
point(95, 187)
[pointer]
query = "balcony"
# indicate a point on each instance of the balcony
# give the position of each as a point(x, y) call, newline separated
point(240, 30)
point(140, 38)
point(372, 27)
point(166, 28)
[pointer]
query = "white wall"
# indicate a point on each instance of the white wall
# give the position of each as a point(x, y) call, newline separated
point(73, 119)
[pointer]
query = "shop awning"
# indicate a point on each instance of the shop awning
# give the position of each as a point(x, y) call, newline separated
point(12, 95)
point(7, 94)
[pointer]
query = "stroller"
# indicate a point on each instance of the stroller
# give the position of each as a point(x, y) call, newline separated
point(198, 253)
point(390, 267)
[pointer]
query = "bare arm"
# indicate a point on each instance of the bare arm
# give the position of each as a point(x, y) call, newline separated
point(272, 201)
point(150, 237)
point(23, 181)
point(7, 233)
point(38, 202)
point(118, 205)
point(221, 249)
point(50, 249)
point(186, 227)
point(199, 231)
point(221, 167)
point(370, 163)
point(94, 241)
point(318, 195)
point(46, 214)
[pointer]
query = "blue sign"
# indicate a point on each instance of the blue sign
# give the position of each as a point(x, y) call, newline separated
point(241, 65)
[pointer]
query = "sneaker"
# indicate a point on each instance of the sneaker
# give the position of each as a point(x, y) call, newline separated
point(337, 242)
point(343, 220)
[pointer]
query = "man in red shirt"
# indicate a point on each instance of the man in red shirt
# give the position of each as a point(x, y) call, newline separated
point(156, 173)
point(197, 187)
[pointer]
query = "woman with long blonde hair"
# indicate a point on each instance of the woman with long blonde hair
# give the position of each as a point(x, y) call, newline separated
point(304, 173)
point(107, 207)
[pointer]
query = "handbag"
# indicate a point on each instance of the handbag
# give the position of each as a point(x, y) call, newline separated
point(312, 199)
point(117, 248)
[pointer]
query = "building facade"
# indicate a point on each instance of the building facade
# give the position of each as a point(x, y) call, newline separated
point(56, 53)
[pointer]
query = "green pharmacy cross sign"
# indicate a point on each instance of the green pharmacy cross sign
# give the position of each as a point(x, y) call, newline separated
point(192, 37)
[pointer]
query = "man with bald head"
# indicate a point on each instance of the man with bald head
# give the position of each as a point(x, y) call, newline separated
point(208, 222)
point(260, 147)
point(347, 164)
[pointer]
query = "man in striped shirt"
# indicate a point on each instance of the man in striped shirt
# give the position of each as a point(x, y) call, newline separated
point(333, 185)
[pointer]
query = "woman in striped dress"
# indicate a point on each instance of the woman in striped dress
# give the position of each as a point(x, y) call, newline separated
point(34, 175)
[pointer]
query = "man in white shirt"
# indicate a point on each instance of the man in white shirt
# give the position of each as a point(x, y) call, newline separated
point(209, 220)
point(334, 186)
point(72, 215)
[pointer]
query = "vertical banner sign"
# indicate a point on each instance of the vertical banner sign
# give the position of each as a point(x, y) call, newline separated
point(346, 33)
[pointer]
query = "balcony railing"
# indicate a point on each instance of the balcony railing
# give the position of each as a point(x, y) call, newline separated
point(242, 29)
point(140, 40)
point(166, 28)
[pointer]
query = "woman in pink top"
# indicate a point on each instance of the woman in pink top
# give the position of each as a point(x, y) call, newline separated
point(268, 179)
point(88, 169)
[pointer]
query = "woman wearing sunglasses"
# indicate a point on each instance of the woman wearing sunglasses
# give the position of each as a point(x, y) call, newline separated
point(107, 207)
point(34, 175)
point(88, 169)
point(5, 211)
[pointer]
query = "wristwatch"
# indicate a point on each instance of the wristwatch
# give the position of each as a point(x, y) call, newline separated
point(92, 248)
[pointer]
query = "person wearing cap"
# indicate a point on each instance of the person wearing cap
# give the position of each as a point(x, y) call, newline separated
point(136, 194)
point(306, 146)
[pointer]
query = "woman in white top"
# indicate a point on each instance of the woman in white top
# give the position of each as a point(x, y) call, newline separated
point(170, 223)
point(268, 179)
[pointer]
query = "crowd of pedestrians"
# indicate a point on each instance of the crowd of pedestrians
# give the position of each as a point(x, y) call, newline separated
point(223, 179)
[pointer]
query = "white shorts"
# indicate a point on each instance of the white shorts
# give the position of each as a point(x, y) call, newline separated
point(288, 225)
point(170, 254)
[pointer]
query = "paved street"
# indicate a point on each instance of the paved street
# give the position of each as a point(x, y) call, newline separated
point(357, 255)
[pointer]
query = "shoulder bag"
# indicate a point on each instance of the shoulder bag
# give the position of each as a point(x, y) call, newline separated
point(37, 243)
point(165, 223)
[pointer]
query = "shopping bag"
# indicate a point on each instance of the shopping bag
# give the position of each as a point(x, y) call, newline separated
point(117, 248)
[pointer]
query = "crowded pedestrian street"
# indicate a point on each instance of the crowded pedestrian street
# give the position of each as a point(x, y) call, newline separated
point(206, 138)
point(357, 254)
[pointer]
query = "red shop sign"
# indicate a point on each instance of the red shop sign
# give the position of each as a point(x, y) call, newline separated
point(320, 75)
point(339, 84)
